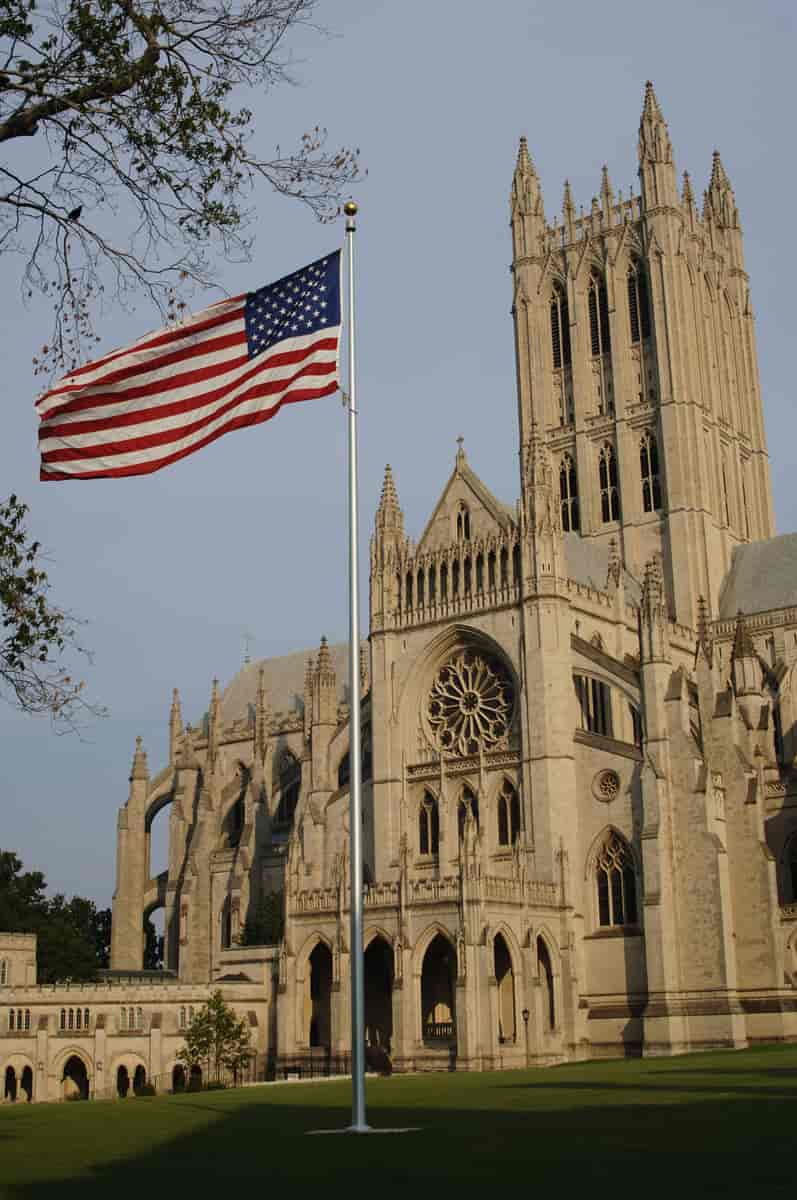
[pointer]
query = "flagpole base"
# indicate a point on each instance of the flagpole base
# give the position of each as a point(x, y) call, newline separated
point(361, 1129)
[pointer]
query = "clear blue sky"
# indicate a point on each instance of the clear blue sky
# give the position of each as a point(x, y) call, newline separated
point(171, 569)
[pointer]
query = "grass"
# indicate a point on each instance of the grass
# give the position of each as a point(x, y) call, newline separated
point(719, 1124)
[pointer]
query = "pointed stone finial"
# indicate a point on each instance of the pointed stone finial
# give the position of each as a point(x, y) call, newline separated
point(187, 758)
point(139, 769)
point(569, 211)
point(705, 644)
point(654, 138)
point(389, 517)
point(460, 458)
point(742, 642)
point(324, 660)
point(524, 164)
point(687, 194)
point(607, 196)
point(720, 199)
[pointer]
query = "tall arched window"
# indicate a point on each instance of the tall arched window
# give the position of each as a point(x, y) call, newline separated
point(290, 783)
point(610, 492)
point(419, 589)
point(638, 309)
point(649, 470)
point(428, 825)
point(545, 975)
point(508, 815)
point(615, 878)
point(463, 522)
point(3, 972)
point(560, 329)
point(568, 495)
point(226, 924)
point(600, 343)
point(468, 802)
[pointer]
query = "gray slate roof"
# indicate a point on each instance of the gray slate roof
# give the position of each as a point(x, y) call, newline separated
point(284, 681)
point(763, 576)
point(587, 563)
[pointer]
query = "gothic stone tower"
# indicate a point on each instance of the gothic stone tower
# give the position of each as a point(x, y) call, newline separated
point(636, 361)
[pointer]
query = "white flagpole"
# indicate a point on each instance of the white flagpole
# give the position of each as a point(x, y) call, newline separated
point(358, 1121)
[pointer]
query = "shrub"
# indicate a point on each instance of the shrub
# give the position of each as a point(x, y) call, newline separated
point(146, 1089)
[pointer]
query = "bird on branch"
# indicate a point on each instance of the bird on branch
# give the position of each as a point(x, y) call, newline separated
point(74, 215)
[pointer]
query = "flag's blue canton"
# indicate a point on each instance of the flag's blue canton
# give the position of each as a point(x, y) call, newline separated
point(305, 302)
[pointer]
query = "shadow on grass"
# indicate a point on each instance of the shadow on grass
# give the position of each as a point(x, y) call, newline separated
point(531, 1137)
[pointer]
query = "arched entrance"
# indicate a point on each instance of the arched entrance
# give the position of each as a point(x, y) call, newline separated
point(505, 981)
point(378, 1001)
point(546, 978)
point(320, 1007)
point(438, 1016)
point(178, 1078)
point(195, 1079)
point(75, 1079)
point(10, 1085)
point(122, 1082)
point(139, 1079)
point(26, 1084)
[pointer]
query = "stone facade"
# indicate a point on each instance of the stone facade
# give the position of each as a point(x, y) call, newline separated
point(579, 714)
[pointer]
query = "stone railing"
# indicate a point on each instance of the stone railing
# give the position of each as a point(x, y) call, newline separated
point(499, 888)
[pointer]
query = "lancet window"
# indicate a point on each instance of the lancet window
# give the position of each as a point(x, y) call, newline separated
point(560, 329)
point(595, 707)
point(463, 522)
point(598, 317)
point(3, 972)
point(649, 470)
point(428, 826)
point(615, 878)
point(568, 495)
point(607, 477)
point(290, 783)
point(638, 309)
point(508, 815)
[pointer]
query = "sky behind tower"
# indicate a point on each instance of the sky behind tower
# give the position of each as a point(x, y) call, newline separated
point(172, 570)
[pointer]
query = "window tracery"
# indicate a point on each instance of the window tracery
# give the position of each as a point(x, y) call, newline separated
point(568, 495)
point(607, 477)
point(508, 815)
point(428, 826)
point(615, 877)
point(469, 707)
point(560, 329)
point(649, 470)
point(638, 308)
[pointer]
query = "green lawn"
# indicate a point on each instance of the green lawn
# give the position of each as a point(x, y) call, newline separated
point(718, 1124)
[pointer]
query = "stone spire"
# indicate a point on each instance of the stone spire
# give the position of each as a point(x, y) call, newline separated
point(569, 211)
point(607, 196)
point(747, 674)
point(720, 199)
point(186, 759)
point(175, 727)
point(262, 717)
point(705, 644)
point(139, 769)
point(214, 724)
point(654, 617)
point(526, 205)
point(325, 690)
point(389, 517)
point(688, 201)
point(656, 168)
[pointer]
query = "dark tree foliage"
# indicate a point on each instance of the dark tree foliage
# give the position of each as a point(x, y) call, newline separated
point(73, 936)
point(265, 923)
point(35, 634)
point(127, 156)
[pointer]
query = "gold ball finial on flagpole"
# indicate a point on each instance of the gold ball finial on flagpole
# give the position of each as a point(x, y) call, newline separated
point(350, 208)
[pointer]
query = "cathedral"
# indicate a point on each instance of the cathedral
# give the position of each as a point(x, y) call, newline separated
point(579, 738)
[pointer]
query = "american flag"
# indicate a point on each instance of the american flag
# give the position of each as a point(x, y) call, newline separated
point(172, 392)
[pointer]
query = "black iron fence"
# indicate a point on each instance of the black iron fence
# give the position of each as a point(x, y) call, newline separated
point(439, 1031)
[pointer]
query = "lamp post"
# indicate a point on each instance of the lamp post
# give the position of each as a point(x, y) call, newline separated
point(525, 1016)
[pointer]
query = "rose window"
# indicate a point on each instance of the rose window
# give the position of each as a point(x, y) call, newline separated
point(470, 704)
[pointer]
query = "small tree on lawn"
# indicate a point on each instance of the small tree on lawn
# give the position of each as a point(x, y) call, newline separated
point(216, 1040)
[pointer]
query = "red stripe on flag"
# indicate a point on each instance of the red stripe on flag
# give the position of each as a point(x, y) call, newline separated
point(239, 422)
